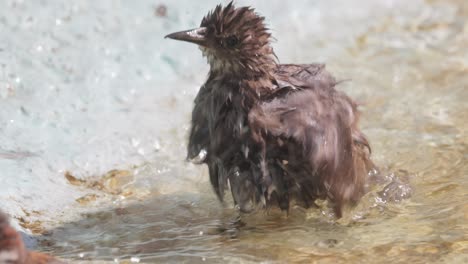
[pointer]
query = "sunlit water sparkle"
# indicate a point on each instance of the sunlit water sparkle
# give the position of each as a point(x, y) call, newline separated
point(87, 87)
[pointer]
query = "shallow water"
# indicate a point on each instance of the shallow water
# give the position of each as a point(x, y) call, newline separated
point(91, 87)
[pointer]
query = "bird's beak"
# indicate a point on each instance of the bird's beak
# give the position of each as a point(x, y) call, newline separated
point(196, 36)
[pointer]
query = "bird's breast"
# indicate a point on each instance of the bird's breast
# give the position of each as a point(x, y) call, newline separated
point(227, 120)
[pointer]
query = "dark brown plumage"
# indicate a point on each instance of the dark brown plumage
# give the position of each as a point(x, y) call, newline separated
point(275, 133)
point(13, 251)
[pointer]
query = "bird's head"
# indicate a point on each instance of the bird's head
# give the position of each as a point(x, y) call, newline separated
point(234, 40)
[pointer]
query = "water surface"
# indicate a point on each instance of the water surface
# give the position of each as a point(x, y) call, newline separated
point(92, 91)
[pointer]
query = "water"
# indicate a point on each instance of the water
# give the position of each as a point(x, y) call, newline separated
point(92, 86)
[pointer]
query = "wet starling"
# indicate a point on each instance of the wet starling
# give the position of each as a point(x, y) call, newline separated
point(274, 133)
point(12, 249)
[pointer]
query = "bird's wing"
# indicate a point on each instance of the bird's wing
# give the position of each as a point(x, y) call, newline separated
point(199, 131)
point(321, 125)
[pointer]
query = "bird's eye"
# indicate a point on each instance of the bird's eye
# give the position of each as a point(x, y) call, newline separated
point(231, 41)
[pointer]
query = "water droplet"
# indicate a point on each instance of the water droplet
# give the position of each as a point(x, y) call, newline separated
point(157, 145)
point(135, 142)
point(201, 157)
point(135, 260)
point(141, 151)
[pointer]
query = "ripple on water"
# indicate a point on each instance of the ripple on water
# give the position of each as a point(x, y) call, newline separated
point(85, 89)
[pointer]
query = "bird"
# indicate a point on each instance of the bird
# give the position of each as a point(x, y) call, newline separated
point(13, 250)
point(275, 135)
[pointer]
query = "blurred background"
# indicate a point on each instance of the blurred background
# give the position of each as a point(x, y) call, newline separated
point(95, 105)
